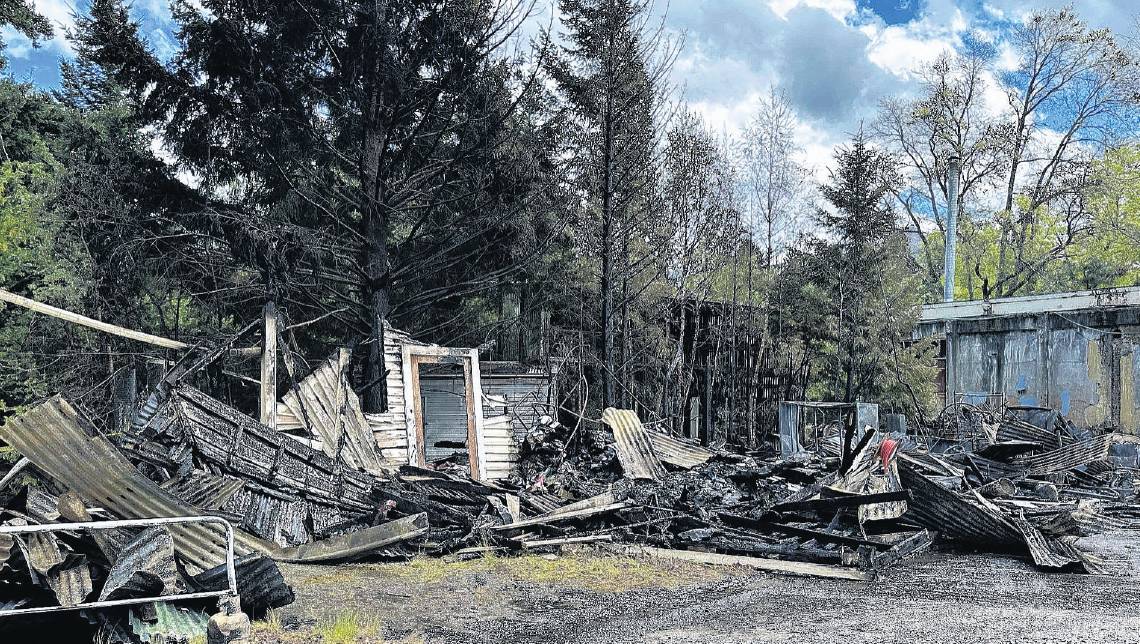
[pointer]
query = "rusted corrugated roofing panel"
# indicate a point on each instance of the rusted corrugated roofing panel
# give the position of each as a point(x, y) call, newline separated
point(933, 506)
point(678, 452)
point(634, 449)
point(333, 412)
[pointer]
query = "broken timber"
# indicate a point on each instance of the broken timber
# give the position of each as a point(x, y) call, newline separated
point(52, 436)
point(798, 568)
point(846, 501)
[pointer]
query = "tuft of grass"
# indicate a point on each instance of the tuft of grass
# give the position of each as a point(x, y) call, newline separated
point(601, 573)
point(606, 573)
point(271, 625)
point(348, 627)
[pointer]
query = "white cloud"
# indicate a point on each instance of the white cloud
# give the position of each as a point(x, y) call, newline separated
point(899, 50)
point(993, 11)
point(1007, 59)
point(839, 9)
point(60, 14)
point(16, 44)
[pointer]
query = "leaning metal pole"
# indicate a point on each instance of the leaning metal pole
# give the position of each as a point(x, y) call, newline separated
point(951, 230)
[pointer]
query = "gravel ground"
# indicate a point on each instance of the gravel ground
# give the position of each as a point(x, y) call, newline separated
point(937, 597)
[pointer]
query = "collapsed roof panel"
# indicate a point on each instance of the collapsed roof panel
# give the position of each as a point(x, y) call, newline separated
point(324, 404)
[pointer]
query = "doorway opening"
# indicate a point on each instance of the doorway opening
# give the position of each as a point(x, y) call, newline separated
point(445, 427)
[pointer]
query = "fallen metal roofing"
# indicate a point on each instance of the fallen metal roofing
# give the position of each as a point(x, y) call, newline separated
point(52, 435)
point(634, 449)
point(678, 452)
point(171, 624)
point(259, 582)
point(936, 508)
point(70, 580)
point(1055, 553)
point(1012, 429)
point(146, 568)
point(324, 403)
point(1075, 455)
point(239, 444)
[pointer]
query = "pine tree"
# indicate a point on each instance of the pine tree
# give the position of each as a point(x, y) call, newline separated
point(369, 159)
point(611, 74)
point(873, 287)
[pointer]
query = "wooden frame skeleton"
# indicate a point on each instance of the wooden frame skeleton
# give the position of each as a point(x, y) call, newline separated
point(414, 356)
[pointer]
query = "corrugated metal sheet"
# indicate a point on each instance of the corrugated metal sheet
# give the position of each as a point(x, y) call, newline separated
point(333, 410)
point(52, 435)
point(933, 506)
point(511, 389)
point(882, 511)
point(1053, 553)
point(40, 505)
point(634, 450)
point(203, 489)
point(445, 413)
point(145, 568)
point(675, 451)
point(71, 580)
point(259, 582)
point(1012, 429)
point(171, 624)
point(1070, 456)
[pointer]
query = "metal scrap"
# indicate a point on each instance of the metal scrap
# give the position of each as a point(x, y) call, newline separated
point(634, 448)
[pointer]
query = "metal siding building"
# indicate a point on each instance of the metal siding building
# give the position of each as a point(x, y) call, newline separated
point(1074, 352)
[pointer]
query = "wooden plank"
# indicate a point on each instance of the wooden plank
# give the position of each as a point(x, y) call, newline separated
point(799, 568)
point(268, 398)
point(16, 469)
point(914, 544)
point(351, 545)
point(90, 323)
point(590, 538)
point(555, 518)
point(835, 503)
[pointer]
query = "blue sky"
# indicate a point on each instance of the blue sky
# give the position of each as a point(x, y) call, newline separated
point(834, 59)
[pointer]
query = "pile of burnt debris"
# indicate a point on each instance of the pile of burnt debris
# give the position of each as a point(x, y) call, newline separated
point(851, 503)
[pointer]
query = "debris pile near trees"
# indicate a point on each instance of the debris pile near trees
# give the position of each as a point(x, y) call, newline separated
point(849, 505)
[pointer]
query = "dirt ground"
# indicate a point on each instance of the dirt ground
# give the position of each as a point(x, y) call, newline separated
point(949, 597)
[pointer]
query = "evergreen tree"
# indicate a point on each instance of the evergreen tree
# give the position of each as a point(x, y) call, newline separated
point(611, 74)
point(873, 289)
point(371, 159)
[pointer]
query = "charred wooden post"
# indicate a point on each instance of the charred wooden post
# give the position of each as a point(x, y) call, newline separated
point(268, 398)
